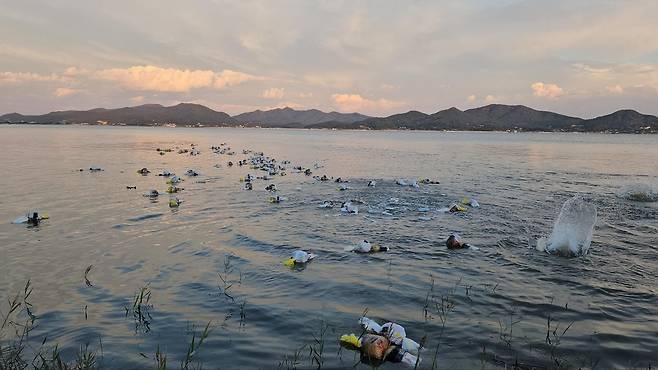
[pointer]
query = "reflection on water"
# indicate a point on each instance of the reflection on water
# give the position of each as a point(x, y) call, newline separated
point(218, 257)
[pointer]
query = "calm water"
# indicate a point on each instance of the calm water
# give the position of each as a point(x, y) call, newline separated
point(502, 294)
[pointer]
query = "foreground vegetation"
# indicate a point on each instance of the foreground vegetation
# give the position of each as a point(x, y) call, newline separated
point(19, 350)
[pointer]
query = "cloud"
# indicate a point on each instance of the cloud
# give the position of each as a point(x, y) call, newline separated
point(355, 102)
point(543, 90)
point(288, 104)
point(228, 78)
point(153, 78)
point(614, 76)
point(21, 77)
point(471, 98)
point(137, 99)
point(591, 70)
point(490, 99)
point(61, 92)
point(616, 89)
point(330, 79)
point(273, 93)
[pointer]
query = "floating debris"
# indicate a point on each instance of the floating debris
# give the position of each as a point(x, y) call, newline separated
point(383, 342)
point(470, 202)
point(457, 208)
point(93, 169)
point(406, 182)
point(326, 204)
point(454, 241)
point(350, 208)
point(174, 180)
point(174, 202)
point(152, 193)
point(299, 257)
point(173, 189)
point(365, 246)
point(31, 219)
point(276, 199)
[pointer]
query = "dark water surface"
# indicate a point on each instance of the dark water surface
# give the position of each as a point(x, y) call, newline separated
point(499, 298)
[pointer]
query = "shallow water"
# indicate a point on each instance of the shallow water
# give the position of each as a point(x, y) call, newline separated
point(502, 294)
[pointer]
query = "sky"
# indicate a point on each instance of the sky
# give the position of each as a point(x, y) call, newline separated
point(585, 58)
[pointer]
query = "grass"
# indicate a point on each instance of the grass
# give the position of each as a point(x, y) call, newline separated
point(316, 349)
point(18, 320)
point(16, 353)
point(87, 270)
point(437, 306)
point(194, 346)
point(290, 362)
point(226, 281)
point(554, 335)
point(141, 309)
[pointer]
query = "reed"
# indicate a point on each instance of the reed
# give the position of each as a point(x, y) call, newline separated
point(193, 348)
point(141, 309)
point(18, 320)
point(316, 348)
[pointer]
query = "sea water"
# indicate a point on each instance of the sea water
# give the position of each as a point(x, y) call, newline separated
point(488, 306)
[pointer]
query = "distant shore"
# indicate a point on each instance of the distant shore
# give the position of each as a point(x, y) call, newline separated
point(291, 127)
point(492, 117)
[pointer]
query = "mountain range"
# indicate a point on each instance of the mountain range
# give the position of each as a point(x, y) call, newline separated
point(289, 117)
point(147, 114)
point(499, 117)
point(493, 117)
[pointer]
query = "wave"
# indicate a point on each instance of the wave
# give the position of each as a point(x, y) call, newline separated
point(640, 193)
point(573, 229)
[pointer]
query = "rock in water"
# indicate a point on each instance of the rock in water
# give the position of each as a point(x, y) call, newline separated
point(572, 231)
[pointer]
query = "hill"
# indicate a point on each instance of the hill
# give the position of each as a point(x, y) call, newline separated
point(622, 121)
point(147, 114)
point(493, 117)
point(288, 116)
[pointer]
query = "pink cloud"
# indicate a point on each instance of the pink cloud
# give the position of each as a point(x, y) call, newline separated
point(355, 102)
point(153, 78)
point(61, 92)
point(616, 89)
point(543, 90)
point(273, 93)
point(21, 77)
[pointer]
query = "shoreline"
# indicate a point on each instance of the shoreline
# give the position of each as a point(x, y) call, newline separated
point(516, 131)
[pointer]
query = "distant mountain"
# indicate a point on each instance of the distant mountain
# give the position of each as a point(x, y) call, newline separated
point(147, 114)
point(622, 121)
point(488, 118)
point(493, 117)
point(411, 119)
point(505, 117)
point(300, 118)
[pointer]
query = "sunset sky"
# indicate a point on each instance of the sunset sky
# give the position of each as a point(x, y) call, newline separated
point(376, 57)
